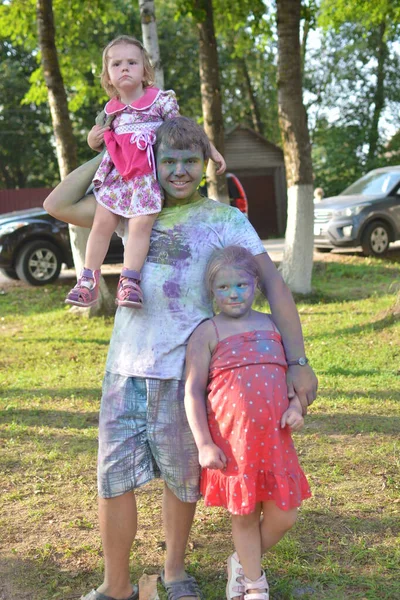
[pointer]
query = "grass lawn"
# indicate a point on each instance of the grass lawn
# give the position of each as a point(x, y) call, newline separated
point(346, 541)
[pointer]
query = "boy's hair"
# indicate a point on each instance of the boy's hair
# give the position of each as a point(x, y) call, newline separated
point(148, 71)
point(181, 133)
point(231, 256)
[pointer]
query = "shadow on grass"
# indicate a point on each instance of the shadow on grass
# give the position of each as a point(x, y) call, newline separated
point(26, 394)
point(63, 341)
point(56, 419)
point(379, 325)
point(350, 423)
point(343, 397)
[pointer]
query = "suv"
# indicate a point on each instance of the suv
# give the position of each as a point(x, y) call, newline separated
point(34, 245)
point(366, 214)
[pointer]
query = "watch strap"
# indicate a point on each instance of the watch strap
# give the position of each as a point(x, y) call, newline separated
point(302, 361)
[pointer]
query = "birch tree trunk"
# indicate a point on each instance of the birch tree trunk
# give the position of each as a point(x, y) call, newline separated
point(297, 262)
point(211, 94)
point(254, 108)
point(379, 95)
point(63, 134)
point(150, 38)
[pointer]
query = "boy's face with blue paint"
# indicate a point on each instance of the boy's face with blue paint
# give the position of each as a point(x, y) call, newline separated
point(179, 174)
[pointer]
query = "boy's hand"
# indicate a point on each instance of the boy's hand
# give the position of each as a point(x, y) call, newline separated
point(212, 457)
point(219, 160)
point(95, 137)
point(303, 382)
point(293, 416)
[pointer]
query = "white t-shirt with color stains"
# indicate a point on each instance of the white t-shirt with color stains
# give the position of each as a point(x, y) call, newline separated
point(151, 342)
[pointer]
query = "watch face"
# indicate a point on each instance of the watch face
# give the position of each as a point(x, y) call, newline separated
point(302, 361)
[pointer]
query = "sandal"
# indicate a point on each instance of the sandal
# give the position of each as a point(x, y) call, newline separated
point(129, 292)
point(95, 595)
point(86, 291)
point(181, 588)
point(235, 585)
point(260, 584)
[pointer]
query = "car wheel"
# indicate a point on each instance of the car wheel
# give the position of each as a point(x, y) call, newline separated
point(39, 263)
point(10, 273)
point(322, 249)
point(375, 239)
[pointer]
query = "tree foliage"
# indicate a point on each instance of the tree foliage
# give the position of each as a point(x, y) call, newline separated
point(353, 85)
point(26, 156)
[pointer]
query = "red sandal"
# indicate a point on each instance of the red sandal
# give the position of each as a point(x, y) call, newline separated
point(86, 291)
point(129, 292)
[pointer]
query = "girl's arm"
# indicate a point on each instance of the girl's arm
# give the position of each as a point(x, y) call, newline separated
point(301, 380)
point(218, 159)
point(95, 138)
point(293, 417)
point(68, 201)
point(198, 357)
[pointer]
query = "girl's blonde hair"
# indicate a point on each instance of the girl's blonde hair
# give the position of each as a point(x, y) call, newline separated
point(148, 71)
point(231, 256)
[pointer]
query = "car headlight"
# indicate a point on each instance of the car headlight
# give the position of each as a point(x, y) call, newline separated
point(351, 211)
point(10, 227)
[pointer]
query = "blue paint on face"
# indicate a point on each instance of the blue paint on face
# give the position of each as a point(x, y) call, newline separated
point(234, 291)
point(179, 174)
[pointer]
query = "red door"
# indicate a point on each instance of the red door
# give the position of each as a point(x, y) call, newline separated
point(260, 192)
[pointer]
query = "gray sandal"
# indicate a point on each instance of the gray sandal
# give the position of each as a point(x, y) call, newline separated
point(95, 595)
point(181, 588)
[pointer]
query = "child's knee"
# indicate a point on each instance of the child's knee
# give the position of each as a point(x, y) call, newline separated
point(288, 518)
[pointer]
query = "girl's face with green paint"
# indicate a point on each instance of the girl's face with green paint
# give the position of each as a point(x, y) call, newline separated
point(179, 174)
point(234, 290)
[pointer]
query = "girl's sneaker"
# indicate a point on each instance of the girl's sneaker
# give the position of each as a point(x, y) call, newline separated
point(260, 584)
point(86, 291)
point(235, 585)
point(129, 292)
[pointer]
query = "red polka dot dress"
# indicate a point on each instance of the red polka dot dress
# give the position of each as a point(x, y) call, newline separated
point(247, 395)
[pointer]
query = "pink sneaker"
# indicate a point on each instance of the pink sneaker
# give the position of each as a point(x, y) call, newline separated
point(86, 291)
point(129, 292)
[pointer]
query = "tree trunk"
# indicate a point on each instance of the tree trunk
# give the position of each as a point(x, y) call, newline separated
point(62, 127)
point(298, 254)
point(379, 96)
point(150, 38)
point(211, 94)
point(255, 111)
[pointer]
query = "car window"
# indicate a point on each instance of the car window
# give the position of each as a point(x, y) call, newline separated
point(373, 184)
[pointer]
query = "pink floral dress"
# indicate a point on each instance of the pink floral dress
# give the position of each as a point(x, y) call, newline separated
point(126, 182)
point(247, 395)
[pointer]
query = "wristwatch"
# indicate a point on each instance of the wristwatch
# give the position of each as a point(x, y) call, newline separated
point(302, 361)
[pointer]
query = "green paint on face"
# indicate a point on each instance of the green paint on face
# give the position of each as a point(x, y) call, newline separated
point(179, 174)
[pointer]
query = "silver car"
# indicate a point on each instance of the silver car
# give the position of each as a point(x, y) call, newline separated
point(366, 214)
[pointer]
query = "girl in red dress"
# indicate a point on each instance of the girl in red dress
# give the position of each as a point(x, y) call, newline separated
point(238, 409)
point(125, 184)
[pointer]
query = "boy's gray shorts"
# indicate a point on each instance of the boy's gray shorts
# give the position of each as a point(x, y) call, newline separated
point(143, 434)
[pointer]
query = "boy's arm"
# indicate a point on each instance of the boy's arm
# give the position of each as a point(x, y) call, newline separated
point(68, 201)
point(301, 379)
point(198, 357)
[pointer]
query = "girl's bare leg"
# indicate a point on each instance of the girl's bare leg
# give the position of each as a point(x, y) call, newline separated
point(104, 224)
point(68, 201)
point(274, 524)
point(137, 245)
point(247, 539)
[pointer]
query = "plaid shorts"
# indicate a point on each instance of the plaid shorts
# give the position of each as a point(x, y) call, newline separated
point(143, 434)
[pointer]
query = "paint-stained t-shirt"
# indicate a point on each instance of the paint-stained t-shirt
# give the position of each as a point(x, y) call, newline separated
point(151, 342)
